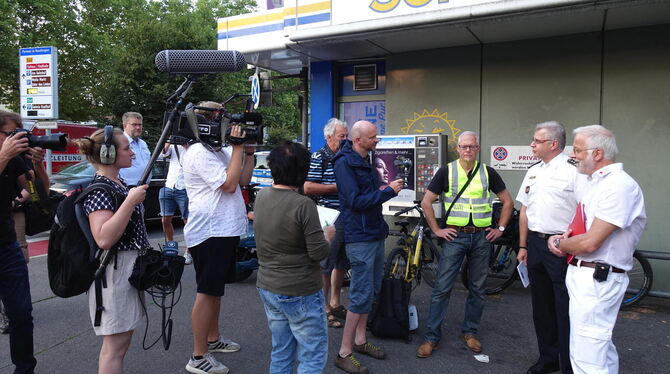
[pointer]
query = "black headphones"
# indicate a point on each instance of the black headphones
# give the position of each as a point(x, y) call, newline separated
point(107, 149)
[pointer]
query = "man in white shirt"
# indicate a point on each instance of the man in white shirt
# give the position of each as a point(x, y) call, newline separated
point(217, 218)
point(547, 206)
point(132, 128)
point(173, 194)
point(596, 279)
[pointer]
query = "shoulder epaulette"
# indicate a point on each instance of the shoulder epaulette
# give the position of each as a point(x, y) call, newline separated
point(534, 164)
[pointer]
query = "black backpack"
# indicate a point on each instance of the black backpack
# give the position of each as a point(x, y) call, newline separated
point(73, 255)
point(391, 317)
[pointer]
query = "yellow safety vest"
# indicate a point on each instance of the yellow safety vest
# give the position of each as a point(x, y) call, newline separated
point(475, 200)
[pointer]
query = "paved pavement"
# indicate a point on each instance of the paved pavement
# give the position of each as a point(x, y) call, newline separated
point(65, 342)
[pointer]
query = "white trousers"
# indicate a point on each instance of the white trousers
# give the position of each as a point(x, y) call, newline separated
point(593, 311)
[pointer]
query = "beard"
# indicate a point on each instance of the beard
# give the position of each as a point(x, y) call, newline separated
point(587, 166)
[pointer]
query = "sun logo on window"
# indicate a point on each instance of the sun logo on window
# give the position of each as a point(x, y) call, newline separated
point(431, 123)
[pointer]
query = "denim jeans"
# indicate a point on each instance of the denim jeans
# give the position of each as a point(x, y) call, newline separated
point(15, 295)
point(299, 330)
point(367, 270)
point(478, 251)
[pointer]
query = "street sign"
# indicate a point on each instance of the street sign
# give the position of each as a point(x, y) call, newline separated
point(38, 82)
point(255, 90)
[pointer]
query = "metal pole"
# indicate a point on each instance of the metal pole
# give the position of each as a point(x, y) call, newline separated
point(304, 88)
point(48, 155)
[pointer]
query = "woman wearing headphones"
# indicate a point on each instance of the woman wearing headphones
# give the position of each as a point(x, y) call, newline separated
point(120, 227)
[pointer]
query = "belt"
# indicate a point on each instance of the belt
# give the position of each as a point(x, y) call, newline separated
point(468, 229)
point(577, 262)
point(541, 235)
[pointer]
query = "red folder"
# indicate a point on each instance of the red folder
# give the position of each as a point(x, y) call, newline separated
point(577, 226)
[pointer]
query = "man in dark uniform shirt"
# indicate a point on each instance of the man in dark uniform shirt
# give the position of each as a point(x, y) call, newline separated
point(14, 286)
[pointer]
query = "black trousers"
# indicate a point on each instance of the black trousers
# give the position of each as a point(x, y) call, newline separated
point(550, 303)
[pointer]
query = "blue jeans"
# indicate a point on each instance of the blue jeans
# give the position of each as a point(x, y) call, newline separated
point(170, 199)
point(299, 330)
point(478, 251)
point(15, 295)
point(367, 270)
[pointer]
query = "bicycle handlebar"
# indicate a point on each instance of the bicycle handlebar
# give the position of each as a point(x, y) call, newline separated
point(403, 211)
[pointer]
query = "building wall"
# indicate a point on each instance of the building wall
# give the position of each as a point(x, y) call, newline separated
point(502, 90)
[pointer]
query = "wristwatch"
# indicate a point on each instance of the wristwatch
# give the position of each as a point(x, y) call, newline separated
point(501, 228)
point(557, 242)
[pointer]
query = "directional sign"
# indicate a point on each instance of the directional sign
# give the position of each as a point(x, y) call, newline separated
point(255, 90)
point(38, 82)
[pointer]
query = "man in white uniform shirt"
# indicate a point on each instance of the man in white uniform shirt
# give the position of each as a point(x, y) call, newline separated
point(596, 279)
point(547, 206)
point(217, 218)
point(132, 128)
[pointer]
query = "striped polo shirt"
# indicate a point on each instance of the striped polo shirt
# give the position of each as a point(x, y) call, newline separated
point(317, 174)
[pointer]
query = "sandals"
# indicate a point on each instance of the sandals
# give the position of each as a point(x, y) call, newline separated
point(339, 312)
point(333, 321)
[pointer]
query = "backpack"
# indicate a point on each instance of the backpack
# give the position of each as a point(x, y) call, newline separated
point(391, 316)
point(73, 255)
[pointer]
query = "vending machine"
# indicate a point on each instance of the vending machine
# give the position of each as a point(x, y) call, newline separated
point(414, 158)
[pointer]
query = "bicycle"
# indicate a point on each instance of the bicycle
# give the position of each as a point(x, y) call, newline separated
point(418, 247)
point(641, 277)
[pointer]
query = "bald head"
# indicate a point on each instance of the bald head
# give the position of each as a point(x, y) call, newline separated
point(364, 137)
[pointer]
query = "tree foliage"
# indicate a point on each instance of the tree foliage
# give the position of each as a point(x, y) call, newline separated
point(106, 51)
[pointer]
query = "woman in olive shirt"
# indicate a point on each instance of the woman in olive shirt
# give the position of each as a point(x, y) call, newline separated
point(290, 244)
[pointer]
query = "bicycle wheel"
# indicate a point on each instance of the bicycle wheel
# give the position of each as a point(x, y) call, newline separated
point(641, 278)
point(431, 258)
point(396, 264)
point(502, 269)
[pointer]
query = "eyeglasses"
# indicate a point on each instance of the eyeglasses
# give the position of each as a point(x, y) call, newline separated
point(468, 147)
point(7, 133)
point(541, 141)
point(579, 150)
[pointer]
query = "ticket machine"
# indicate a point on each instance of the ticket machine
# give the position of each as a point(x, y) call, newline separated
point(414, 158)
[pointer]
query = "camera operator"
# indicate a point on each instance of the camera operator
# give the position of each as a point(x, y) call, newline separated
point(14, 283)
point(217, 218)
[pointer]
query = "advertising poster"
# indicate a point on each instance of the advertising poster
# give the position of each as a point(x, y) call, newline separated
point(389, 164)
point(372, 111)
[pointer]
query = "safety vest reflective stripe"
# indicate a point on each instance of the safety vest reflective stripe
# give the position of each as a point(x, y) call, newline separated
point(475, 200)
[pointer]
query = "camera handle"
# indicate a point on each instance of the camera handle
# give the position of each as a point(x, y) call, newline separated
point(180, 93)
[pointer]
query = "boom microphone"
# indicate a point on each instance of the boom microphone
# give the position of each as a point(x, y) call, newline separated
point(199, 61)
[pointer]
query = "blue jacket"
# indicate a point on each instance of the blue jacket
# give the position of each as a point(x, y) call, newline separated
point(360, 197)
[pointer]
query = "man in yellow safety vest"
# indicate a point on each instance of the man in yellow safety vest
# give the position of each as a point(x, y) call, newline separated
point(468, 232)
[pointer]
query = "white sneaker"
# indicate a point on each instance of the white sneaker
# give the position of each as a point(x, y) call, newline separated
point(189, 258)
point(223, 345)
point(206, 365)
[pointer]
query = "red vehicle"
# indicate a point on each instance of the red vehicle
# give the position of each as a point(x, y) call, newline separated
point(63, 159)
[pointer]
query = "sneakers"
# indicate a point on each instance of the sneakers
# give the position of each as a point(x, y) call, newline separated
point(188, 257)
point(370, 350)
point(350, 364)
point(206, 365)
point(223, 345)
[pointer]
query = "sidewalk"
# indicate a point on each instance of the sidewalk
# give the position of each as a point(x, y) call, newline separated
point(65, 342)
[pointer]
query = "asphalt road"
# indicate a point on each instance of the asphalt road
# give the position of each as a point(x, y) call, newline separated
point(65, 342)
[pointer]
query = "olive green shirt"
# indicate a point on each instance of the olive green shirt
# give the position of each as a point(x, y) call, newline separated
point(289, 241)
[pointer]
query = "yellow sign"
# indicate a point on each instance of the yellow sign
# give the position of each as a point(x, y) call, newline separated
point(32, 91)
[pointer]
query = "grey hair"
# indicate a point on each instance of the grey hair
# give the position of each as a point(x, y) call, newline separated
point(128, 115)
point(331, 125)
point(556, 131)
point(469, 133)
point(599, 137)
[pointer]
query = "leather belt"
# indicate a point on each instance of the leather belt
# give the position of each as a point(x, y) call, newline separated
point(576, 262)
point(468, 229)
point(541, 235)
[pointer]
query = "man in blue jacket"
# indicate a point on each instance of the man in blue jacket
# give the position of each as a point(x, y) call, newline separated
point(361, 199)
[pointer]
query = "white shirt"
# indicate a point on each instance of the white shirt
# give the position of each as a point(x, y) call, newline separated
point(548, 192)
point(133, 174)
point(611, 195)
point(211, 211)
point(175, 175)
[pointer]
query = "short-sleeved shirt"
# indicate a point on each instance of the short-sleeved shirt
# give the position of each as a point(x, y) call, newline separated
point(318, 174)
point(135, 236)
point(611, 195)
point(175, 175)
point(8, 191)
point(548, 192)
point(131, 175)
point(211, 211)
point(438, 187)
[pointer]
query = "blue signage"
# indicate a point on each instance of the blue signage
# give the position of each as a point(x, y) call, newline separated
point(35, 51)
